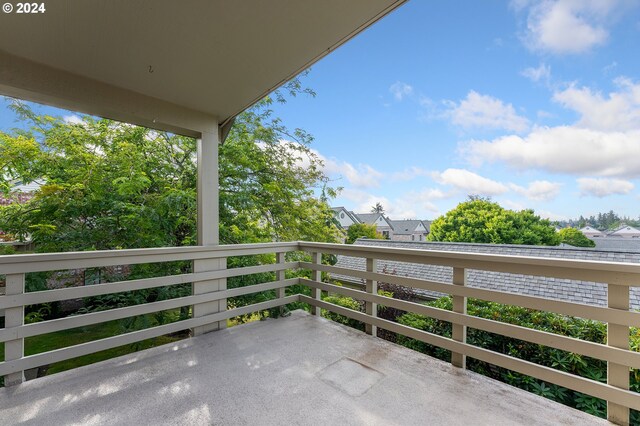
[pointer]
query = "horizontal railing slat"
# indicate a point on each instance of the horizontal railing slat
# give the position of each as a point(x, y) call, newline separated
point(84, 320)
point(597, 313)
point(141, 284)
point(600, 390)
point(22, 263)
point(63, 354)
point(619, 273)
point(583, 347)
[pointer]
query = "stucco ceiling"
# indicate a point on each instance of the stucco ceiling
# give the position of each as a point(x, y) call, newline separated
point(213, 57)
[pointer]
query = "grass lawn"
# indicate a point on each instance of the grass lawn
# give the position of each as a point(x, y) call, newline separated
point(61, 339)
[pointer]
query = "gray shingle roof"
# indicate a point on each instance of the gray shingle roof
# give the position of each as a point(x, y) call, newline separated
point(553, 288)
point(350, 214)
point(617, 244)
point(368, 218)
point(405, 227)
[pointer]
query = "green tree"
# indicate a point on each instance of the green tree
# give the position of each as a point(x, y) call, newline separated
point(482, 221)
point(109, 185)
point(575, 238)
point(362, 230)
point(378, 208)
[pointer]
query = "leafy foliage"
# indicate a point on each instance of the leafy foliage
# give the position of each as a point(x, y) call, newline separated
point(574, 237)
point(378, 208)
point(482, 221)
point(561, 360)
point(110, 185)
point(345, 302)
point(362, 230)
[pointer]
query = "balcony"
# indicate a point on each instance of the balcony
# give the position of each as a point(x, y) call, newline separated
point(304, 368)
point(117, 60)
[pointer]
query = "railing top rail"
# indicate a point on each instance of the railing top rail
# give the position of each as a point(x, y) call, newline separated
point(577, 269)
point(20, 263)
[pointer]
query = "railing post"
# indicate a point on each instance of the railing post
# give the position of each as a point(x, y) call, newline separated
point(459, 332)
point(200, 287)
point(280, 276)
point(316, 275)
point(14, 317)
point(618, 336)
point(371, 286)
point(207, 229)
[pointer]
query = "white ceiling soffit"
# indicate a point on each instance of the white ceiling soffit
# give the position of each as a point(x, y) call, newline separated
point(174, 63)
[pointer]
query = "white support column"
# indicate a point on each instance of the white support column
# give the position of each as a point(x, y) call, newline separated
point(208, 235)
point(459, 332)
point(316, 276)
point(618, 336)
point(14, 317)
point(371, 287)
point(280, 276)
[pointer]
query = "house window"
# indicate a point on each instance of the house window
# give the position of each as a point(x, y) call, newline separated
point(385, 234)
point(341, 215)
point(413, 238)
point(420, 237)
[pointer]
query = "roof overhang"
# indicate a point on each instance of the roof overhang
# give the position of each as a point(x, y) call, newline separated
point(172, 65)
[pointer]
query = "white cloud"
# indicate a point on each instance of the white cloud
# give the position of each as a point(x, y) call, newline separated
point(567, 26)
point(410, 173)
point(542, 73)
point(563, 149)
point(609, 68)
point(484, 111)
point(72, 119)
point(512, 205)
point(360, 176)
point(469, 182)
point(410, 205)
point(603, 187)
point(618, 111)
point(400, 90)
point(550, 215)
point(605, 141)
point(539, 190)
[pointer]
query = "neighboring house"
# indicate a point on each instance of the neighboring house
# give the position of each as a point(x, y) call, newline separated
point(624, 231)
point(553, 288)
point(347, 218)
point(409, 230)
point(591, 232)
point(344, 217)
point(382, 224)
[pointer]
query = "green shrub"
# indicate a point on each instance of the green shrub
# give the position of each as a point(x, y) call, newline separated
point(561, 360)
point(345, 302)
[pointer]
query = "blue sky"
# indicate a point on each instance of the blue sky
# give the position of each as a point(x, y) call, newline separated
point(536, 104)
point(533, 103)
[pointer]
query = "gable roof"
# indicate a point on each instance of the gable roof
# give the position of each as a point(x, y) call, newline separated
point(406, 227)
point(624, 229)
point(351, 215)
point(372, 218)
point(553, 288)
point(589, 229)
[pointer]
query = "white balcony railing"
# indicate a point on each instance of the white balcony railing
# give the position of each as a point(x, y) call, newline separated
point(619, 277)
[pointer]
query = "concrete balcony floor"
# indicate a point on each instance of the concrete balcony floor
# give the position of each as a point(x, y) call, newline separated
point(295, 370)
